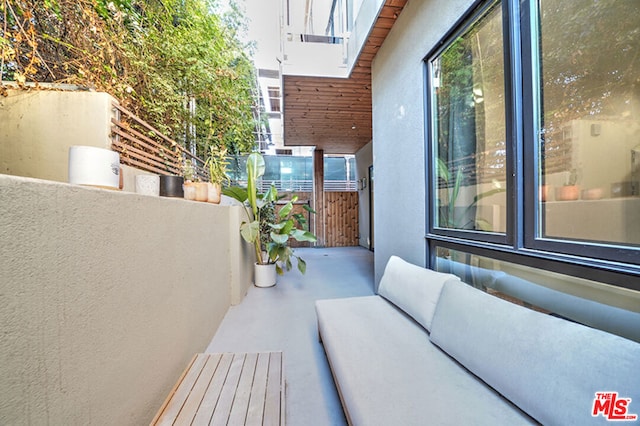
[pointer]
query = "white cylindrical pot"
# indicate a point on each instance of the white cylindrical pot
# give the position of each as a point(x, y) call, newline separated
point(148, 185)
point(93, 166)
point(265, 275)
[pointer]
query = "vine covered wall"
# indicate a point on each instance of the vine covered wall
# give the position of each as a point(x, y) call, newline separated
point(178, 64)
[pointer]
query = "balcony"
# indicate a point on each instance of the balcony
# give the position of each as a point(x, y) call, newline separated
point(107, 295)
point(283, 318)
point(326, 73)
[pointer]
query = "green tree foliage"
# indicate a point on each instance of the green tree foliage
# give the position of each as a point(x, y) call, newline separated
point(153, 55)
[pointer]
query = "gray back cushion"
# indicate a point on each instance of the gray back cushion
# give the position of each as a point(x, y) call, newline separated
point(549, 367)
point(413, 289)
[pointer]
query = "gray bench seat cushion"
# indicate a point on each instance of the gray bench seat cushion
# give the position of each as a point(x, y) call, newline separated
point(413, 289)
point(549, 367)
point(389, 373)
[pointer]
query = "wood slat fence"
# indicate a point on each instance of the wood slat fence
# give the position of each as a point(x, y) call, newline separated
point(142, 146)
point(341, 216)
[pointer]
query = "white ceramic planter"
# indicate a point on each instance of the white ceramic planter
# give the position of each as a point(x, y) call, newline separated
point(93, 166)
point(148, 185)
point(265, 275)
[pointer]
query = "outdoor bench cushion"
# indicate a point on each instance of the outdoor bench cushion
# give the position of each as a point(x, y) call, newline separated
point(389, 373)
point(549, 367)
point(413, 289)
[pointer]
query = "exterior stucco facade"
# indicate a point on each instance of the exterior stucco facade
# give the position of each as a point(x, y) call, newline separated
point(398, 87)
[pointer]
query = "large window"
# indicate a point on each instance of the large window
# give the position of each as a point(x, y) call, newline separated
point(589, 120)
point(534, 136)
point(469, 128)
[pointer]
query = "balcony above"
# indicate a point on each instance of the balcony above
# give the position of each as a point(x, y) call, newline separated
point(327, 79)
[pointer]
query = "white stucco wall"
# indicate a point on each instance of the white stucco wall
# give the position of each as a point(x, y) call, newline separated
point(104, 298)
point(398, 87)
point(37, 127)
point(364, 159)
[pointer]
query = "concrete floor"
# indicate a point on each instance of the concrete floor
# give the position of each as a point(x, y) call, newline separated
point(283, 318)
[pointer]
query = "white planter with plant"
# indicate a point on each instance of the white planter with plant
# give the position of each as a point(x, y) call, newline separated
point(265, 275)
point(269, 232)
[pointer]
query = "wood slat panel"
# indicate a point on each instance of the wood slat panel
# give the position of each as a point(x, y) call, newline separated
point(240, 407)
point(258, 391)
point(143, 166)
point(191, 405)
point(342, 219)
point(210, 398)
point(223, 408)
point(228, 389)
point(272, 401)
point(129, 151)
point(315, 95)
point(179, 397)
point(143, 146)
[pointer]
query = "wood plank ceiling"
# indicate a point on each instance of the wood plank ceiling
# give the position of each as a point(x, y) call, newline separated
point(334, 114)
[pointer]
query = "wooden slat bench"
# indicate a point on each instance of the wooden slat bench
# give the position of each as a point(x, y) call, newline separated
point(227, 389)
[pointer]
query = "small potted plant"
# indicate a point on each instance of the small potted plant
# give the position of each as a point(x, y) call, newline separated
point(217, 164)
point(189, 174)
point(570, 191)
point(269, 231)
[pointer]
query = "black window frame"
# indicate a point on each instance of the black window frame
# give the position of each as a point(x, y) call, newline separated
point(609, 263)
point(478, 9)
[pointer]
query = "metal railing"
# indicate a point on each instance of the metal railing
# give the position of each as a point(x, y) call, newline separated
point(302, 185)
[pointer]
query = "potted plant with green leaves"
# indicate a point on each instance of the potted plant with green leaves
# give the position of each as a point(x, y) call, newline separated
point(269, 231)
point(217, 164)
point(189, 173)
point(460, 217)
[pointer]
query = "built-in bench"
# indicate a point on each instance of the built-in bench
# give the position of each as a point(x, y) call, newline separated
point(228, 389)
point(430, 349)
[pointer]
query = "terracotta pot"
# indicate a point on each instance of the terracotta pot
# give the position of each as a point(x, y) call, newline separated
point(567, 193)
point(189, 190)
point(215, 191)
point(544, 193)
point(265, 275)
point(592, 194)
point(202, 191)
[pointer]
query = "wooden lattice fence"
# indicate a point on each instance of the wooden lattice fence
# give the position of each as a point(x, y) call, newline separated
point(140, 145)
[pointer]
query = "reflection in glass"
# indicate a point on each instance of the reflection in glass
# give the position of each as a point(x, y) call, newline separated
point(590, 120)
point(613, 309)
point(467, 81)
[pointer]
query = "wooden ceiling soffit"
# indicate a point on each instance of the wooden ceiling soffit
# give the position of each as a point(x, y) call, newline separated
point(334, 114)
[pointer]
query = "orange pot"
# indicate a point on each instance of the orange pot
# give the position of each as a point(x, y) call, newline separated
point(568, 193)
point(202, 191)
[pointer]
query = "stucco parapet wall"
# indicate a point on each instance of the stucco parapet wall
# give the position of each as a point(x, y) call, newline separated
point(39, 126)
point(105, 297)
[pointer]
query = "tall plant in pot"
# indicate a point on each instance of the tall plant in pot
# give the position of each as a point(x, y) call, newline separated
point(217, 164)
point(268, 231)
